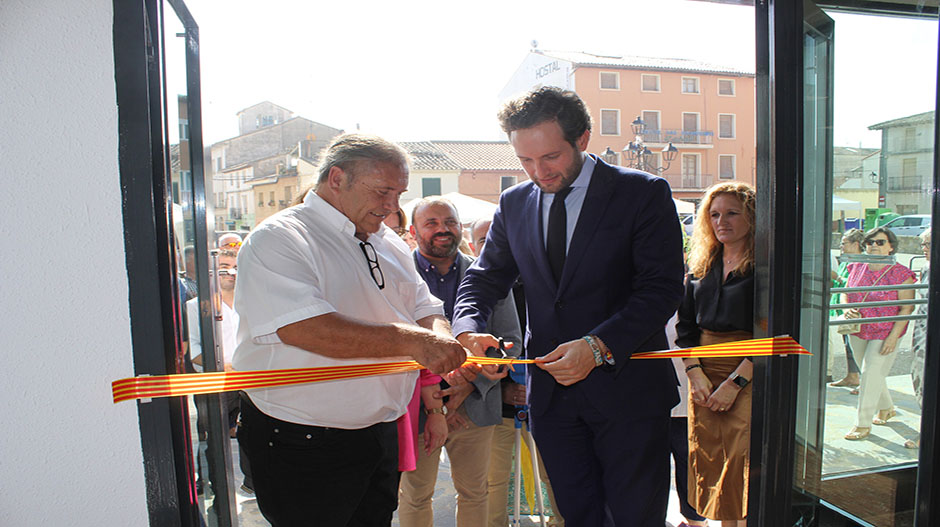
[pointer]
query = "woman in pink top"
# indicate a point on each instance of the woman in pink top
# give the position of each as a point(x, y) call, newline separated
point(875, 345)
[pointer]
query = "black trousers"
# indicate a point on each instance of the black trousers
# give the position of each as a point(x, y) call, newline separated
point(311, 475)
point(679, 444)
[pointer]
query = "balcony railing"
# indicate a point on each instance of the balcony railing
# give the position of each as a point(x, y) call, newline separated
point(906, 183)
point(697, 181)
point(678, 137)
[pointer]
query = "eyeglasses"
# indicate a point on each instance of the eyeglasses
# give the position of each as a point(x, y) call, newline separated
point(879, 243)
point(399, 230)
point(373, 259)
point(926, 245)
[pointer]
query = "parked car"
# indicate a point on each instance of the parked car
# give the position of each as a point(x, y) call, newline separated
point(911, 225)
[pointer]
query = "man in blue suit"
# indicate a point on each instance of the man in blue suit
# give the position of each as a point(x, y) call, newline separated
point(600, 252)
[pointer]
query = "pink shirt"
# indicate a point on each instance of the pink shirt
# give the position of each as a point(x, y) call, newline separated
point(860, 275)
point(408, 424)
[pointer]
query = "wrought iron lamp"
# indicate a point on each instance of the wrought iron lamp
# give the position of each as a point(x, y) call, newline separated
point(640, 157)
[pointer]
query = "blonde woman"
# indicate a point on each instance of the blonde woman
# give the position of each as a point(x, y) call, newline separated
point(718, 307)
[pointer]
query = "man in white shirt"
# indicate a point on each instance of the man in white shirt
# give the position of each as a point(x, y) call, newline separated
point(325, 283)
point(228, 268)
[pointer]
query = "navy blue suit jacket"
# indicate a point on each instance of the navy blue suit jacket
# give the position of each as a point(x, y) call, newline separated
point(622, 281)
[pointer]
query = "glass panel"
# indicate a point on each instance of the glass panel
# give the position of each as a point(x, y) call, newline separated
point(651, 120)
point(202, 313)
point(610, 122)
point(858, 413)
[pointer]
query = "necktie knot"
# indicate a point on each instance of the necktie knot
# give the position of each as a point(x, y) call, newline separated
point(563, 193)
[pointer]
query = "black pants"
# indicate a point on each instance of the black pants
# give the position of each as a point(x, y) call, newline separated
point(310, 475)
point(679, 444)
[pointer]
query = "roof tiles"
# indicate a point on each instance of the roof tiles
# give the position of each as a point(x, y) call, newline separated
point(462, 155)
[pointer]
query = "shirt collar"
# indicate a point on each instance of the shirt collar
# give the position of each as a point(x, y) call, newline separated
point(587, 169)
point(428, 266)
point(584, 176)
point(334, 218)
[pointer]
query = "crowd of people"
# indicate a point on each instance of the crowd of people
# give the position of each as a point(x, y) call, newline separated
point(579, 268)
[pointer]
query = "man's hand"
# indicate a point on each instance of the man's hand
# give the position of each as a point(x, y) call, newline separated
point(438, 353)
point(456, 422)
point(477, 344)
point(569, 362)
point(514, 394)
point(435, 432)
point(458, 394)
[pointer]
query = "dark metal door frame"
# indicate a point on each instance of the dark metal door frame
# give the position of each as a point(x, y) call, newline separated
point(150, 254)
point(772, 502)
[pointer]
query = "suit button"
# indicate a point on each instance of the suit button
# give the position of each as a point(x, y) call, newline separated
point(559, 305)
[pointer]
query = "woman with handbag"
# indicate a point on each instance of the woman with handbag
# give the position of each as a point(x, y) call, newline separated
point(874, 345)
point(851, 244)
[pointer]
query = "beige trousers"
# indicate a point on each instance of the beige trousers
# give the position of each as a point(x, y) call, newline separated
point(468, 450)
point(504, 441)
point(873, 394)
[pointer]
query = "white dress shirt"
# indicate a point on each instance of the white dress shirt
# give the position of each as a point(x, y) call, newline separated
point(305, 262)
point(229, 329)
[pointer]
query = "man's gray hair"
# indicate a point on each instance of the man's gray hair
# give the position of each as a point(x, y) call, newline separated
point(348, 150)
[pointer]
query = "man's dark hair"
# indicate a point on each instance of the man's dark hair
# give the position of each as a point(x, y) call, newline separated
point(547, 103)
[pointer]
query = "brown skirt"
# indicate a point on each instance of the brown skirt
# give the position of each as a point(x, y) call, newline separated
point(719, 442)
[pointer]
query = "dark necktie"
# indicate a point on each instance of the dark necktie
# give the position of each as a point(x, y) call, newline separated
point(557, 233)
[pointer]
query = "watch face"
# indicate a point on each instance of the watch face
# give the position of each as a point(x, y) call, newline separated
point(741, 381)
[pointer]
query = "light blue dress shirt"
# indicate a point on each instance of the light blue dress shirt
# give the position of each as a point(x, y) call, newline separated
point(573, 202)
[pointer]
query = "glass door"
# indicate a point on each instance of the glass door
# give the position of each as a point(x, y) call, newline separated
point(866, 203)
point(203, 273)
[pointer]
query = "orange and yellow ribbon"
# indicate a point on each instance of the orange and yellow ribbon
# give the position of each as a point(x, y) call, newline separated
point(785, 345)
point(146, 387)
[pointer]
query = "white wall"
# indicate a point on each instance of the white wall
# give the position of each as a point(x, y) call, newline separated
point(68, 456)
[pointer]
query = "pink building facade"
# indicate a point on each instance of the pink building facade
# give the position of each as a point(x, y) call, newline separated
point(706, 111)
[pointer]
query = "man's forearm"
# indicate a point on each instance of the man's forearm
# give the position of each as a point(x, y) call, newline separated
point(343, 337)
point(436, 323)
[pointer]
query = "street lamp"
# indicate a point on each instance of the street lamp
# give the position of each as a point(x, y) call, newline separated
point(639, 155)
point(609, 156)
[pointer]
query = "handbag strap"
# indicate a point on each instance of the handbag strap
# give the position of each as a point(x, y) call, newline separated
point(878, 280)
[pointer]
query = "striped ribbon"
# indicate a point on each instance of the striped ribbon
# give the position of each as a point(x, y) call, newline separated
point(146, 387)
point(784, 345)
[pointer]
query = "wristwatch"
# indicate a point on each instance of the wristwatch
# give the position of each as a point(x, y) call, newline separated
point(442, 410)
point(740, 381)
